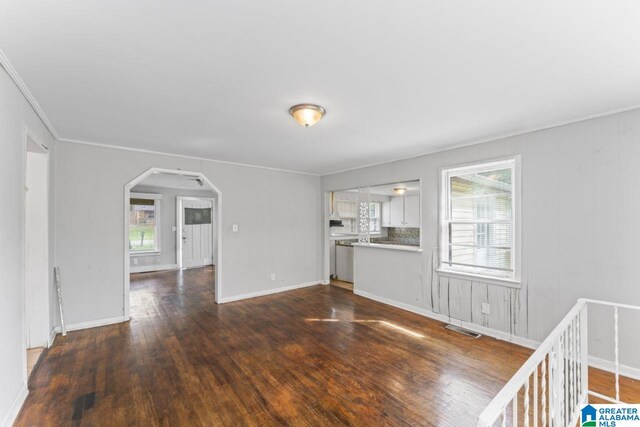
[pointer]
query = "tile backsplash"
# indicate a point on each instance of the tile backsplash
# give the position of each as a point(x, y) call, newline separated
point(409, 236)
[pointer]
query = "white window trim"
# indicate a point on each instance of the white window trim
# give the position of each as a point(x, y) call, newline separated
point(514, 280)
point(156, 198)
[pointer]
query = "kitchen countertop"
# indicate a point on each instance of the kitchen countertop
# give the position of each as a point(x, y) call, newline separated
point(350, 243)
point(347, 243)
point(393, 242)
point(394, 246)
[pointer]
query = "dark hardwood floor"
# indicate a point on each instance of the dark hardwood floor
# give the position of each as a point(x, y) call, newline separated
point(315, 356)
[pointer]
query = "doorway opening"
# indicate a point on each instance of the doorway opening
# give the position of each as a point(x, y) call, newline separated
point(37, 334)
point(172, 223)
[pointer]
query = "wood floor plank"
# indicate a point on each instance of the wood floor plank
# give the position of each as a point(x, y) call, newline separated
point(319, 356)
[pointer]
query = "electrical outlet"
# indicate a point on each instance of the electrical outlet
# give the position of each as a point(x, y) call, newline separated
point(485, 308)
point(135, 261)
point(273, 276)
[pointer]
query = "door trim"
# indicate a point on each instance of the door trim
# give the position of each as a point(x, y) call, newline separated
point(32, 143)
point(125, 247)
point(179, 211)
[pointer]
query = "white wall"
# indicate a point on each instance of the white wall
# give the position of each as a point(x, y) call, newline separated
point(15, 114)
point(580, 229)
point(278, 214)
point(167, 255)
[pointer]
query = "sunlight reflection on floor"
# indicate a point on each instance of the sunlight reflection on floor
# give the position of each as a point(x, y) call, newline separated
point(381, 322)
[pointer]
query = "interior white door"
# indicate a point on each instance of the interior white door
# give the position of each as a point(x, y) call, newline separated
point(197, 238)
point(37, 250)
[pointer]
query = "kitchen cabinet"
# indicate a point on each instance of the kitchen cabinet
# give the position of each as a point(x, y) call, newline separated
point(344, 263)
point(386, 212)
point(412, 211)
point(401, 212)
point(396, 212)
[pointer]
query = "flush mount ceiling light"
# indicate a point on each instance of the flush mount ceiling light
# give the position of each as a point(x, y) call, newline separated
point(399, 190)
point(307, 114)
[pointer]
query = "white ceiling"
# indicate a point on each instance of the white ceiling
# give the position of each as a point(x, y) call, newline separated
point(413, 188)
point(215, 79)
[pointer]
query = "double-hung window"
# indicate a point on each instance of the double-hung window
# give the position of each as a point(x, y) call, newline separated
point(144, 223)
point(478, 220)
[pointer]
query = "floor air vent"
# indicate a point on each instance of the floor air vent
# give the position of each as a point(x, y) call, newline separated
point(463, 331)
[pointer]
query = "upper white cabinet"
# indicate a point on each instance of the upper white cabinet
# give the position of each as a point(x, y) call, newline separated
point(401, 212)
point(396, 212)
point(412, 211)
point(386, 213)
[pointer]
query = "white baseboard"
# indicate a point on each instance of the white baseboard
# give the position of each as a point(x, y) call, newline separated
point(504, 336)
point(150, 268)
point(268, 292)
point(609, 366)
point(11, 416)
point(605, 365)
point(92, 324)
point(52, 336)
point(196, 264)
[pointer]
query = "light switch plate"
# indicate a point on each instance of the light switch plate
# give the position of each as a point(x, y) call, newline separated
point(273, 276)
point(234, 227)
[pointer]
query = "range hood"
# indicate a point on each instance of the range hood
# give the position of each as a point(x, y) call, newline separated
point(334, 217)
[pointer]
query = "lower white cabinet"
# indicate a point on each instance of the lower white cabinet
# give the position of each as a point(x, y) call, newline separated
point(344, 263)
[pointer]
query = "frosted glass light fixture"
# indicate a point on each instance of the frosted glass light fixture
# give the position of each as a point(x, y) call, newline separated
point(307, 114)
point(399, 190)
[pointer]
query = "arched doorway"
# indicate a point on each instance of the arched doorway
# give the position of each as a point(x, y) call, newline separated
point(217, 233)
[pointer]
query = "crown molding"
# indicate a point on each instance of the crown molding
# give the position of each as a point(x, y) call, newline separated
point(6, 64)
point(183, 156)
point(11, 71)
point(492, 138)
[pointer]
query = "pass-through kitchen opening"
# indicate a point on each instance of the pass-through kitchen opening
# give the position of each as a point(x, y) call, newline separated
point(385, 215)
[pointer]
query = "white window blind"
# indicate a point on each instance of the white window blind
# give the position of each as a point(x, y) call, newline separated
point(478, 223)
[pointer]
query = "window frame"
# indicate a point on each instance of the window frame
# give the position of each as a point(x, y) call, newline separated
point(355, 233)
point(513, 279)
point(157, 203)
point(377, 206)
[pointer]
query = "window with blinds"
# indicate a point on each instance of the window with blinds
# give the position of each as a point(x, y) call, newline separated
point(478, 219)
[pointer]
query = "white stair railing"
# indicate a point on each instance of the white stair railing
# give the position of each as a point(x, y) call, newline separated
point(557, 372)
